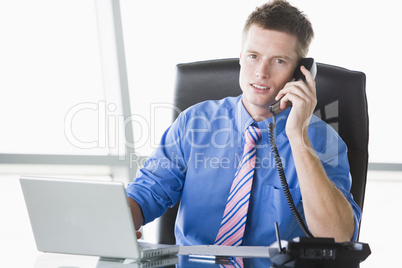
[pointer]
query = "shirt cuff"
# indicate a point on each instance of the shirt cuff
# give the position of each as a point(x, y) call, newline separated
point(357, 225)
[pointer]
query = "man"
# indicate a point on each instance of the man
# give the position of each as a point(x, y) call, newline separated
point(200, 152)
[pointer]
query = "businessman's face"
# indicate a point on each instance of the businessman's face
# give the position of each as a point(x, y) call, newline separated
point(268, 60)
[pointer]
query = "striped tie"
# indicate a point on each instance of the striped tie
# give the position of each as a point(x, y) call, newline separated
point(234, 217)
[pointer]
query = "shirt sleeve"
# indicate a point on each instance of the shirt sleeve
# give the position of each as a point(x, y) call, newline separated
point(159, 183)
point(332, 151)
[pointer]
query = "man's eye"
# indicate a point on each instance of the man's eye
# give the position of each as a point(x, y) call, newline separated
point(280, 61)
point(253, 56)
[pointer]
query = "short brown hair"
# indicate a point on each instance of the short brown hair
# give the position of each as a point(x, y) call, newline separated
point(279, 15)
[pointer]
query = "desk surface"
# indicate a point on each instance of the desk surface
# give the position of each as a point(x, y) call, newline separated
point(17, 245)
point(50, 260)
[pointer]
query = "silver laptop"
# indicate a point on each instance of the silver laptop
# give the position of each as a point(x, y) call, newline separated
point(85, 217)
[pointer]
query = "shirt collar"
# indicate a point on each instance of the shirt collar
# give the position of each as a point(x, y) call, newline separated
point(244, 120)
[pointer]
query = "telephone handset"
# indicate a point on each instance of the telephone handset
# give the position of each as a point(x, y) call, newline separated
point(310, 65)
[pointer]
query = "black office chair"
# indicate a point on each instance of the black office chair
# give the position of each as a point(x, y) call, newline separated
point(342, 103)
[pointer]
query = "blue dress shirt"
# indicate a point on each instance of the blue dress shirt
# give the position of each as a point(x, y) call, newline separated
point(197, 159)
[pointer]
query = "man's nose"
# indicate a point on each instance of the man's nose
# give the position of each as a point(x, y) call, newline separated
point(263, 70)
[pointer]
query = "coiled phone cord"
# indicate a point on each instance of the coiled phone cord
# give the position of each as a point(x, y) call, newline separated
point(284, 183)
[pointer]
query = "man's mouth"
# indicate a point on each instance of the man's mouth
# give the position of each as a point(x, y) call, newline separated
point(259, 86)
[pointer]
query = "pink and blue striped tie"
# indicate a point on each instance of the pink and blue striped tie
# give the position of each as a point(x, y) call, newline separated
point(235, 215)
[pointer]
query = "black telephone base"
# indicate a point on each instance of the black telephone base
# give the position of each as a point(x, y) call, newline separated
point(318, 252)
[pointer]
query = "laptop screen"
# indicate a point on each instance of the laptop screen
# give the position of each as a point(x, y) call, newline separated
point(80, 217)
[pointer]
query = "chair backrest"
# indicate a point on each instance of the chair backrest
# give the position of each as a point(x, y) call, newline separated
point(342, 103)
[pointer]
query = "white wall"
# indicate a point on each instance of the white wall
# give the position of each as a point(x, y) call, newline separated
point(364, 35)
point(49, 62)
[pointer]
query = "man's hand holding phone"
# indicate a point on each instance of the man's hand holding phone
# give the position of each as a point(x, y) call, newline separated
point(303, 99)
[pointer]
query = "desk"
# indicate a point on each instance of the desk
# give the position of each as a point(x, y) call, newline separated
point(17, 245)
point(50, 260)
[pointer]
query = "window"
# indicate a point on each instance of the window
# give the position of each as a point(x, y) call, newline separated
point(51, 67)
